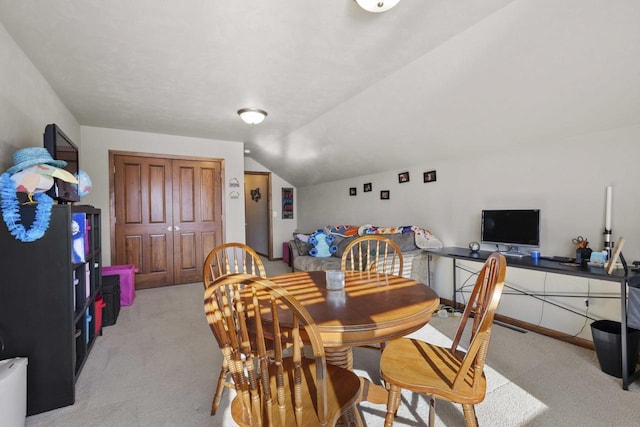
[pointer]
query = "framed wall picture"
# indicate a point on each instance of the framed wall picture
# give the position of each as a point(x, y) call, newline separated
point(384, 195)
point(353, 191)
point(367, 187)
point(403, 177)
point(430, 176)
point(287, 203)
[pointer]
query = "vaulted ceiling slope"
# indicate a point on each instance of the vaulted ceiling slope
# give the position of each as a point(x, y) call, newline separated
point(348, 92)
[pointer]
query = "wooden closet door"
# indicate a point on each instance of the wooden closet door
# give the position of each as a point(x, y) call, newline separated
point(196, 216)
point(143, 203)
point(168, 217)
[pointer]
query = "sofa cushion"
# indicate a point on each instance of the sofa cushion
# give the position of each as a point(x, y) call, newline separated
point(405, 241)
point(341, 243)
point(414, 264)
point(309, 263)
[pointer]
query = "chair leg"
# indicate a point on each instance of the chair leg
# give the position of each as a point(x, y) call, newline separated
point(222, 379)
point(432, 411)
point(470, 415)
point(393, 402)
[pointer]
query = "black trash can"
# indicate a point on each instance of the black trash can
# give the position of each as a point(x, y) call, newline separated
point(607, 340)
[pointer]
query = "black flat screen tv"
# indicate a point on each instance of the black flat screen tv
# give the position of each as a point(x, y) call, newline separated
point(61, 147)
point(511, 227)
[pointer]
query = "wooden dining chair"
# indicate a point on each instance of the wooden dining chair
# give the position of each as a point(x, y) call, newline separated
point(232, 258)
point(229, 258)
point(272, 390)
point(448, 373)
point(374, 253)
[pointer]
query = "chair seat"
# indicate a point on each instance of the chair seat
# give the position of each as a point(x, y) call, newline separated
point(433, 372)
point(342, 393)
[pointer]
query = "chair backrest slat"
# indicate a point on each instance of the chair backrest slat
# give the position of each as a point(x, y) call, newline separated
point(248, 302)
point(232, 258)
point(482, 303)
point(373, 252)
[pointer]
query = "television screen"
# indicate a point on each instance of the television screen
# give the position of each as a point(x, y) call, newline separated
point(61, 147)
point(511, 227)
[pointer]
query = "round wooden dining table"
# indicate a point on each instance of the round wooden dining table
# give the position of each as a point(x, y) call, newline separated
point(372, 308)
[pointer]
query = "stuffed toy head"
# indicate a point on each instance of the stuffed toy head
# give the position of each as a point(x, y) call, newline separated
point(322, 244)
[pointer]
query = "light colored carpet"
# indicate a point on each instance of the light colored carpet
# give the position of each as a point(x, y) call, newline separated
point(157, 366)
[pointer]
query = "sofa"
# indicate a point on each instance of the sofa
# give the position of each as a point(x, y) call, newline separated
point(410, 239)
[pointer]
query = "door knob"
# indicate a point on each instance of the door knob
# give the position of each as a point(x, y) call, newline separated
point(176, 228)
point(169, 228)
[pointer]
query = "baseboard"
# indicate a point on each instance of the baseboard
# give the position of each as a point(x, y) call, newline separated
point(561, 336)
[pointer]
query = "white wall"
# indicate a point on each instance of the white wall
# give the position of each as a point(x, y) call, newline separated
point(565, 179)
point(282, 228)
point(27, 103)
point(94, 159)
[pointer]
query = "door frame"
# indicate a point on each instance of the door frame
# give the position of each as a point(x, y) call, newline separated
point(112, 199)
point(269, 212)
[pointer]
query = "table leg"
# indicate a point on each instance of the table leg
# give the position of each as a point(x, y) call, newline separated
point(343, 357)
point(339, 356)
point(455, 302)
point(623, 333)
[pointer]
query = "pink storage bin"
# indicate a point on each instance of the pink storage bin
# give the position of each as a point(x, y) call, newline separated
point(127, 275)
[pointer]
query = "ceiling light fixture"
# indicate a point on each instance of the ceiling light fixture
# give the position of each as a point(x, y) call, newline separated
point(376, 5)
point(252, 116)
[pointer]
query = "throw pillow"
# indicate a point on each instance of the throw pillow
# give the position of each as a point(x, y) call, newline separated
point(344, 230)
point(425, 239)
point(302, 243)
point(322, 244)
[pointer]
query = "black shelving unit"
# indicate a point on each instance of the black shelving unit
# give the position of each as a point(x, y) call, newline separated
point(47, 304)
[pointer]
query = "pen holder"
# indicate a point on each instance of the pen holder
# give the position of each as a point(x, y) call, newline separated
point(583, 254)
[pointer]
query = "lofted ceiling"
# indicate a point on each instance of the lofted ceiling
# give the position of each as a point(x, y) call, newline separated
point(348, 92)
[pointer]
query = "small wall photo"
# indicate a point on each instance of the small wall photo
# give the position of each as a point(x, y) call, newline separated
point(430, 176)
point(403, 177)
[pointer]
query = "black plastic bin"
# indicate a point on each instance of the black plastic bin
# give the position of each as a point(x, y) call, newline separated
point(607, 340)
point(111, 297)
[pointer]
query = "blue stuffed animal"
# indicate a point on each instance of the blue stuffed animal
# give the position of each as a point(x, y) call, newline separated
point(321, 242)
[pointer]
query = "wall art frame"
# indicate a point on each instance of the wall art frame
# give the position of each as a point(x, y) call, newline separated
point(287, 203)
point(430, 176)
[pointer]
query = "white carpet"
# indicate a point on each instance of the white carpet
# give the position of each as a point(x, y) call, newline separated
point(157, 366)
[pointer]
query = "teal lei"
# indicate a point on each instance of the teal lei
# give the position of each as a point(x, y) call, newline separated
point(10, 206)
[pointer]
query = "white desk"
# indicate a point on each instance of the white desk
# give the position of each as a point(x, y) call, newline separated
point(587, 272)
